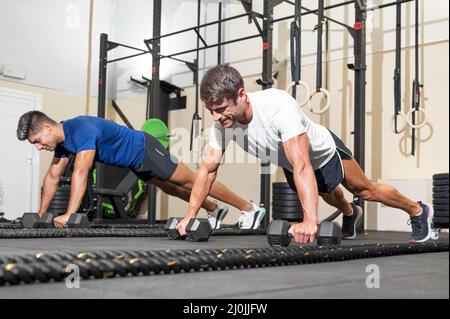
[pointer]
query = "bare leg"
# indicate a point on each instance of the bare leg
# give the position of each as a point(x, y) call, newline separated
point(181, 192)
point(184, 177)
point(358, 184)
point(336, 199)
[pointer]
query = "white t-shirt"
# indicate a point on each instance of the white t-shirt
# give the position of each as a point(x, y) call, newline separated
point(277, 118)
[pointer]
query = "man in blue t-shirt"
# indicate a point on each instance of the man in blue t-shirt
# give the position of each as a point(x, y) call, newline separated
point(96, 139)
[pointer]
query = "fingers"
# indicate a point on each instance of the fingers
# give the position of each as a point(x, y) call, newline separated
point(58, 224)
point(302, 236)
point(181, 228)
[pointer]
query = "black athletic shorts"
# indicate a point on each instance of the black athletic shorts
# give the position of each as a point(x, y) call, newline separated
point(331, 174)
point(157, 161)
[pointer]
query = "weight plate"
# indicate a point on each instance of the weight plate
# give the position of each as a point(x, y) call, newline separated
point(281, 197)
point(440, 207)
point(440, 182)
point(441, 213)
point(440, 195)
point(284, 191)
point(286, 203)
point(286, 209)
point(280, 185)
point(440, 176)
point(443, 188)
point(288, 216)
point(440, 201)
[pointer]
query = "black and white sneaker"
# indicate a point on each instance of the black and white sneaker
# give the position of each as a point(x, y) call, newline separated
point(252, 219)
point(421, 225)
point(216, 217)
point(349, 223)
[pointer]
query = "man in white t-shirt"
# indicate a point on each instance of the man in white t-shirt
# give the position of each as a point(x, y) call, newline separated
point(271, 126)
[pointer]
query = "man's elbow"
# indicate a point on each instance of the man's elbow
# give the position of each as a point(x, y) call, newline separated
point(212, 176)
point(301, 167)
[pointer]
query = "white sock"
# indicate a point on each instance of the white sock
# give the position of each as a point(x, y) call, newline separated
point(419, 214)
point(254, 208)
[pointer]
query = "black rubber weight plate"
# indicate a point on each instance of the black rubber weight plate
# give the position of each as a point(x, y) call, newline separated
point(286, 203)
point(440, 207)
point(440, 201)
point(277, 197)
point(441, 221)
point(440, 176)
point(441, 213)
point(59, 203)
point(288, 216)
point(280, 185)
point(440, 195)
point(286, 210)
point(284, 191)
point(440, 189)
point(440, 182)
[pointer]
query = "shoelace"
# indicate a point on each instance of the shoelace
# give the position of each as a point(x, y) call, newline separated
point(416, 224)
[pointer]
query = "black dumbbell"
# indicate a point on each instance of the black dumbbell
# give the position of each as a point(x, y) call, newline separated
point(197, 229)
point(46, 221)
point(329, 233)
point(75, 221)
point(33, 220)
point(30, 220)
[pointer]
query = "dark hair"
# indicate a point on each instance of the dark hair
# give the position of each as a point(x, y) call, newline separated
point(221, 82)
point(31, 123)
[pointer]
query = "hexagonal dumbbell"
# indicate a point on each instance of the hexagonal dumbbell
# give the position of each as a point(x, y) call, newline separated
point(329, 233)
point(197, 229)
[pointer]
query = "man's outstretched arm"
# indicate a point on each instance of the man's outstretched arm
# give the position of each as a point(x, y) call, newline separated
point(203, 182)
point(297, 152)
point(51, 181)
point(83, 163)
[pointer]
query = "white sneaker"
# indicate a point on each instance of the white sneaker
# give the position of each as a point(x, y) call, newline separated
point(252, 219)
point(216, 217)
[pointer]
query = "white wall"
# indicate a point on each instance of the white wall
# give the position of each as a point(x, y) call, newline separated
point(50, 39)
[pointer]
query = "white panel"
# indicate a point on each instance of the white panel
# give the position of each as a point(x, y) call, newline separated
point(392, 219)
point(19, 164)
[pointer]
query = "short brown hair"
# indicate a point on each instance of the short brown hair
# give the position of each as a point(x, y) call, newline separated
point(30, 123)
point(221, 82)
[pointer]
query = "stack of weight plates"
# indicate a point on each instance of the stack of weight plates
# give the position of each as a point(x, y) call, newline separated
point(285, 203)
point(60, 201)
point(440, 200)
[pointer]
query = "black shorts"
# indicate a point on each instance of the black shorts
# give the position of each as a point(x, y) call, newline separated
point(157, 162)
point(331, 174)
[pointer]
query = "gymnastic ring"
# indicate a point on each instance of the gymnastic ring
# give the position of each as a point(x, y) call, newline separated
point(326, 93)
point(405, 123)
point(420, 125)
point(305, 86)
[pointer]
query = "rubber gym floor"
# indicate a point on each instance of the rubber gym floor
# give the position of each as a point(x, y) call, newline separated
point(407, 276)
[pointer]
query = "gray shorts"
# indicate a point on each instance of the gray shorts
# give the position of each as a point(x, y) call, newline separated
point(331, 174)
point(157, 161)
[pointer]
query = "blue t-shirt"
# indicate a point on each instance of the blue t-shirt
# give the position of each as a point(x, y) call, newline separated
point(114, 144)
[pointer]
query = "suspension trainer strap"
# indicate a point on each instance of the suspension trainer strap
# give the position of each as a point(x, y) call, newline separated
point(398, 61)
point(319, 45)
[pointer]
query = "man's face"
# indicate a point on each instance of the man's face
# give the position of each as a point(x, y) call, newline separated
point(44, 139)
point(227, 112)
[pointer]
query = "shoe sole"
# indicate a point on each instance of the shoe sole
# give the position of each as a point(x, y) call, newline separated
point(429, 222)
point(359, 214)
